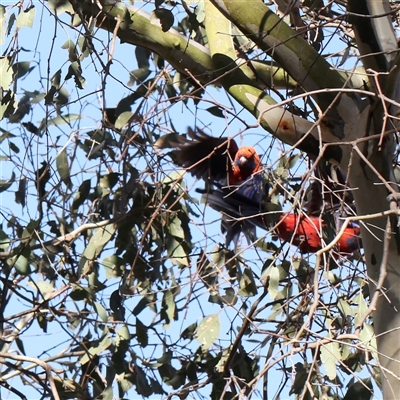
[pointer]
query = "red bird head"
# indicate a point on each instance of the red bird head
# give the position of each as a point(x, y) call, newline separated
point(246, 163)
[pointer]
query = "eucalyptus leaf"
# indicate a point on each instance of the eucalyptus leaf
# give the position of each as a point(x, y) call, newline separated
point(330, 355)
point(26, 17)
point(208, 331)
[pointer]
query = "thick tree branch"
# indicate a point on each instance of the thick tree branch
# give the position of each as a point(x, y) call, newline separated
point(291, 51)
point(290, 129)
point(374, 33)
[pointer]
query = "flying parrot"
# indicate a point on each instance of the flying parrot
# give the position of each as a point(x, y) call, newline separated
point(241, 190)
point(215, 159)
point(232, 170)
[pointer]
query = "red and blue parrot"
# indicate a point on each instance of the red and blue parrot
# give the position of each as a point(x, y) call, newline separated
point(240, 193)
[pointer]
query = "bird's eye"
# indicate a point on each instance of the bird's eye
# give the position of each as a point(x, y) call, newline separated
point(301, 238)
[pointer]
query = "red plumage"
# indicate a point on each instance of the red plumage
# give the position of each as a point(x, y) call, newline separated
point(306, 232)
point(301, 231)
point(350, 240)
point(246, 163)
point(240, 193)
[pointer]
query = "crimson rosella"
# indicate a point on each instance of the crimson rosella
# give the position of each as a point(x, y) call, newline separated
point(232, 170)
point(215, 159)
point(305, 232)
point(241, 192)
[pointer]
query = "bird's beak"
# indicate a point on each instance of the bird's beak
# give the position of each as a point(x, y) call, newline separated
point(246, 163)
point(241, 161)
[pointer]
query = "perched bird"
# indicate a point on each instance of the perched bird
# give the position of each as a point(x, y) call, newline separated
point(350, 240)
point(240, 193)
point(301, 231)
point(305, 232)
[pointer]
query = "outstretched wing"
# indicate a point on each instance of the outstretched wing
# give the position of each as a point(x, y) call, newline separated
point(206, 157)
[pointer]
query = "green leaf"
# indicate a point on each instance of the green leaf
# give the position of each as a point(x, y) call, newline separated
point(108, 393)
point(141, 305)
point(138, 75)
point(200, 12)
point(82, 195)
point(6, 135)
point(20, 264)
point(4, 185)
point(216, 111)
point(299, 380)
point(13, 147)
point(208, 331)
point(26, 17)
point(20, 194)
point(141, 333)
point(177, 252)
point(368, 338)
point(162, 17)
point(97, 242)
point(274, 278)
point(330, 354)
point(11, 22)
point(22, 68)
point(293, 159)
point(93, 280)
point(60, 120)
point(8, 102)
point(104, 344)
point(362, 308)
point(360, 390)
point(112, 266)
point(230, 296)
point(42, 322)
point(80, 293)
point(247, 284)
point(95, 246)
point(63, 168)
point(189, 332)
point(61, 6)
point(123, 119)
point(4, 240)
point(75, 71)
point(107, 182)
point(85, 46)
point(344, 307)
point(170, 92)
point(175, 228)
point(20, 345)
point(100, 311)
point(44, 287)
point(56, 79)
point(6, 73)
point(168, 308)
point(72, 55)
point(142, 57)
point(123, 338)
